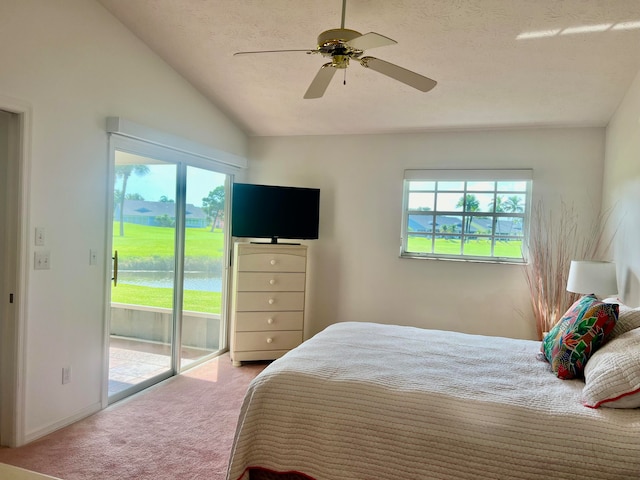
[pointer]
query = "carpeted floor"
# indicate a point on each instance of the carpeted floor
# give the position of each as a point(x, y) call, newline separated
point(180, 429)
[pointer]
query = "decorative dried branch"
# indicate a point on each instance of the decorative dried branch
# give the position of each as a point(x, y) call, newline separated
point(553, 243)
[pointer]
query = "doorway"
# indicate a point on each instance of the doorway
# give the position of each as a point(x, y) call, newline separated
point(5, 118)
point(169, 244)
point(13, 164)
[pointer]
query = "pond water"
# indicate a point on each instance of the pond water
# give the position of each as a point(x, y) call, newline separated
point(202, 281)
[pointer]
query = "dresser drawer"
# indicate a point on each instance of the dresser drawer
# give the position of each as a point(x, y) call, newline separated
point(271, 262)
point(266, 321)
point(280, 340)
point(270, 282)
point(269, 301)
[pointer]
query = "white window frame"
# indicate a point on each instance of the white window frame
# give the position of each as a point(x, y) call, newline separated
point(467, 175)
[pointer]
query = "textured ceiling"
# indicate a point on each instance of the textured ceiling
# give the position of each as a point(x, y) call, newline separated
point(498, 63)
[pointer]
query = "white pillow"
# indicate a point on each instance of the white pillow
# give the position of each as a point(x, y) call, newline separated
point(612, 374)
point(628, 318)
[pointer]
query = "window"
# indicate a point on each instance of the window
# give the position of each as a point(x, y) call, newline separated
point(480, 215)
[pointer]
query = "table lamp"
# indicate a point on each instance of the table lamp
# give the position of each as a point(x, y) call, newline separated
point(598, 278)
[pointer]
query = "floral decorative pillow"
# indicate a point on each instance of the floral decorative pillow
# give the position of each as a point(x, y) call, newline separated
point(612, 375)
point(581, 331)
point(553, 336)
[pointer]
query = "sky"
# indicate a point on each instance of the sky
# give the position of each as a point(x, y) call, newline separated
point(161, 180)
point(450, 193)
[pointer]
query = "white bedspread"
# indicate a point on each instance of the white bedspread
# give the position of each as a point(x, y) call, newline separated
point(369, 401)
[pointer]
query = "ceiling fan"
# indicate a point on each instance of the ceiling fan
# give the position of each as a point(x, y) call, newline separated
point(343, 45)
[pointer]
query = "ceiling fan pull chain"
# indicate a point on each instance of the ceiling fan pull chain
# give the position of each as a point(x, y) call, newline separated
point(344, 82)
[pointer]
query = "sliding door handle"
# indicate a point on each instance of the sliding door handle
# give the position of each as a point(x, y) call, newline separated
point(115, 269)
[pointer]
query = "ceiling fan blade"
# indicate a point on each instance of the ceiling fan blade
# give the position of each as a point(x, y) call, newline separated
point(321, 81)
point(273, 51)
point(370, 40)
point(403, 75)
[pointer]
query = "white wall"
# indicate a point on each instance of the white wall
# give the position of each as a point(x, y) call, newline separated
point(74, 64)
point(621, 191)
point(355, 271)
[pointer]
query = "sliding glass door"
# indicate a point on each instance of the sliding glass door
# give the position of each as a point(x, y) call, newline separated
point(202, 332)
point(168, 247)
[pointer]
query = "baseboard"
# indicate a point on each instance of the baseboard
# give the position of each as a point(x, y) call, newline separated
point(41, 432)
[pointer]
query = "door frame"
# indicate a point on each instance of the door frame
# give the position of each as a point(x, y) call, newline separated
point(125, 135)
point(16, 261)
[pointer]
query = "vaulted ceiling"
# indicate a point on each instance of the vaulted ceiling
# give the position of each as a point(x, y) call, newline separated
point(498, 63)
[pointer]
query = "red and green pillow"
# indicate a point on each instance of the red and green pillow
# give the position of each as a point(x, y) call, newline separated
point(580, 332)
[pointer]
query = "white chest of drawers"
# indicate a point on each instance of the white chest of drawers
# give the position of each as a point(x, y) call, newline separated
point(267, 304)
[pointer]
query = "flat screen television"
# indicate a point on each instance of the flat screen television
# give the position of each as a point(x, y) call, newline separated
point(271, 211)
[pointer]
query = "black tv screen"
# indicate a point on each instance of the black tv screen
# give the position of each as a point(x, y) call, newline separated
point(270, 211)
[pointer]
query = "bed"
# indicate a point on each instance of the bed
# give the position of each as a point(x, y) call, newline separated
point(369, 401)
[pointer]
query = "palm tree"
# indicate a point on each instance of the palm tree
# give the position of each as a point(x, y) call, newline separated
point(497, 204)
point(513, 204)
point(471, 204)
point(124, 172)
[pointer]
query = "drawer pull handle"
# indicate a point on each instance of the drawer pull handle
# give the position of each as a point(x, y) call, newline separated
point(271, 301)
point(269, 340)
point(272, 262)
point(270, 321)
point(272, 282)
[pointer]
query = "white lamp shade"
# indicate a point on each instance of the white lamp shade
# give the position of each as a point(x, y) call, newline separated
point(598, 278)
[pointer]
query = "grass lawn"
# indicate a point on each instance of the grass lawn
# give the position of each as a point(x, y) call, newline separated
point(155, 245)
point(479, 247)
point(144, 241)
point(194, 300)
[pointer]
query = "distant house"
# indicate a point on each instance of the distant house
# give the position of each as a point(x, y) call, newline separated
point(143, 212)
point(424, 223)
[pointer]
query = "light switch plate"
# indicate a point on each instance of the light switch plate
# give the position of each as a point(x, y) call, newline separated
point(39, 240)
point(42, 260)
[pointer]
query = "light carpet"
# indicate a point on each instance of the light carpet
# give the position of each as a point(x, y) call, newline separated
point(180, 429)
